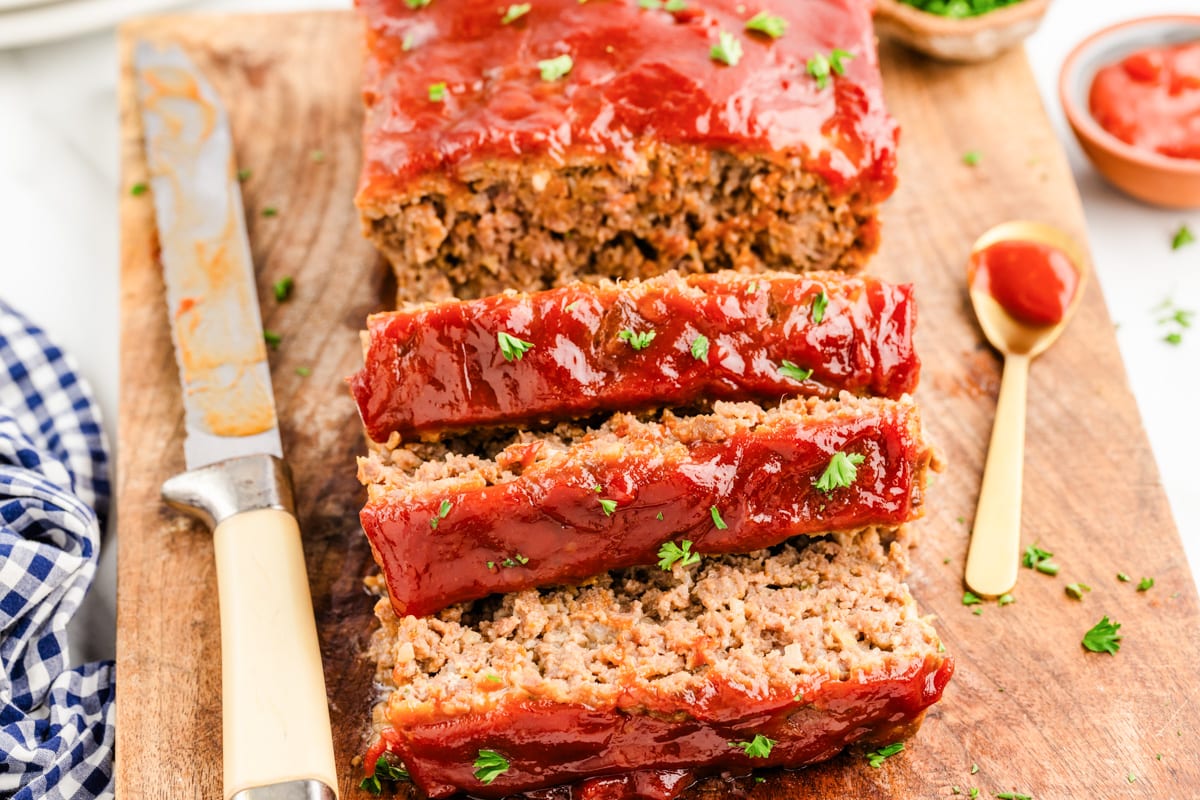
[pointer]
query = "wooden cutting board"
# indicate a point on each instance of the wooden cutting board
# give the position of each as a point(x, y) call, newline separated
point(1034, 711)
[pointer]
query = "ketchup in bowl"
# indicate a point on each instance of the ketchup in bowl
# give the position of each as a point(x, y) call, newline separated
point(1033, 282)
point(1151, 100)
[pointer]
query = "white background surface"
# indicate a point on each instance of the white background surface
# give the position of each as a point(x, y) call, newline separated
point(59, 249)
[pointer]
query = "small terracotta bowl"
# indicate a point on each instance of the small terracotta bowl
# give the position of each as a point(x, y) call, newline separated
point(967, 39)
point(1148, 176)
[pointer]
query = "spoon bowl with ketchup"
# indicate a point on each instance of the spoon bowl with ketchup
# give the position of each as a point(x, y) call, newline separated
point(1131, 93)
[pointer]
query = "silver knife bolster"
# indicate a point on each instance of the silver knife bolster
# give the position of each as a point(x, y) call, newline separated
point(292, 790)
point(215, 492)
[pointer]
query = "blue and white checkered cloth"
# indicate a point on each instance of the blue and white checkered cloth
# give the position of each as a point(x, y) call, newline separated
point(56, 724)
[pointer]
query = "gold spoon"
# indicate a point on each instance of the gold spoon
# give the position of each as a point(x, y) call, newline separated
point(995, 539)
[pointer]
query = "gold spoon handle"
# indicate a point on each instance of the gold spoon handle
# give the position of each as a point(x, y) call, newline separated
point(996, 537)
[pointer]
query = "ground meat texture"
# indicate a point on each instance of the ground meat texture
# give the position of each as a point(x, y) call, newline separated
point(447, 526)
point(647, 155)
point(814, 644)
point(446, 366)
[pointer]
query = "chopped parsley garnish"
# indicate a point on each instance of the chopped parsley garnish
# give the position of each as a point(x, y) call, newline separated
point(958, 8)
point(1122, 577)
point(417, 3)
point(138, 189)
point(1131, 778)
point(974, 768)
point(838, 58)
point(437, 92)
point(408, 42)
point(972, 793)
point(650, 5)
point(659, 517)
point(1103, 637)
point(489, 766)
point(243, 175)
point(272, 338)
point(270, 211)
point(283, 288)
point(1005, 599)
point(671, 554)
point(1174, 337)
point(316, 156)
point(515, 12)
point(1144, 584)
point(978, 611)
point(796, 373)
point(1039, 559)
point(716, 518)
point(727, 50)
point(1076, 590)
point(385, 770)
point(675, 5)
point(1178, 318)
point(491, 677)
point(841, 472)
point(511, 347)
point(971, 599)
point(972, 158)
point(769, 24)
point(877, 757)
point(819, 303)
point(304, 372)
point(553, 69)
point(609, 506)
point(442, 511)
point(700, 348)
point(1182, 238)
point(821, 66)
point(758, 747)
point(1013, 796)
point(638, 341)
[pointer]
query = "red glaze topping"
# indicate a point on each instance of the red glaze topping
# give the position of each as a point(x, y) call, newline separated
point(638, 75)
point(548, 744)
point(1033, 282)
point(1151, 100)
point(761, 481)
point(442, 367)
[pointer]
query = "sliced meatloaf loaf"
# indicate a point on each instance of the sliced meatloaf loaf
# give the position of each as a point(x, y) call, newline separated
point(518, 358)
point(778, 658)
point(564, 506)
point(523, 146)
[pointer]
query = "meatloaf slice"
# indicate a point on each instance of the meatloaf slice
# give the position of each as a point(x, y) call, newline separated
point(778, 658)
point(517, 358)
point(561, 507)
point(608, 138)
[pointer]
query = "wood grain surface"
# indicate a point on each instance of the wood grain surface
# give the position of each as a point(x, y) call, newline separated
point(1033, 710)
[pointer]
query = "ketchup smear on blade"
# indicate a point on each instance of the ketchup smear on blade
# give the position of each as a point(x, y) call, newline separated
point(1033, 282)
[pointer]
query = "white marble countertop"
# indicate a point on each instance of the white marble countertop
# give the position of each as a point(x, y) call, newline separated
point(59, 249)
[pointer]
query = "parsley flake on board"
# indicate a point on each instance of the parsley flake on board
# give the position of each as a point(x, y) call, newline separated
point(770, 24)
point(1005, 599)
point(971, 599)
point(1122, 577)
point(511, 347)
point(1103, 637)
point(1013, 796)
point(840, 473)
point(877, 757)
point(700, 348)
point(1039, 559)
point(727, 50)
point(272, 339)
point(1145, 584)
point(819, 304)
point(1076, 590)
point(675, 5)
point(609, 506)
point(385, 770)
point(283, 288)
point(1182, 238)
point(789, 370)
point(304, 372)
point(442, 511)
point(972, 158)
point(758, 747)
point(491, 677)
point(515, 12)
point(270, 211)
point(671, 554)
point(437, 92)
point(138, 189)
point(553, 69)
point(638, 341)
point(317, 156)
point(489, 766)
point(243, 175)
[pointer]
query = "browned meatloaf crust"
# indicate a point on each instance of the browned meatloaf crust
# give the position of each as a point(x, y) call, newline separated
point(811, 645)
point(648, 153)
point(561, 507)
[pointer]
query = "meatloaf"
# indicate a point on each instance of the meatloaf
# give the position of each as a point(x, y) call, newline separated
point(778, 658)
point(564, 506)
point(527, 145)
point(517, 358)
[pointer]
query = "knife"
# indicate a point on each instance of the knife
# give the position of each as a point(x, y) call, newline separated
point(275, 717)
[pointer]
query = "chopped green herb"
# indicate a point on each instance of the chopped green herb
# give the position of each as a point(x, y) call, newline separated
point(492, 678)
point(972, 157)
point(675, 5)
point(272, 339)
point(138, 189)
point(1013, 796)
point(270, 211)
point(508, 562)
point(1131, 777)
point(659, 517)
point(973, 793)
point(1076, 590)
point(819, 303)
point(316, 156)
point(700, 348)
point(877, 757)
point(958, 8)
point(638, 341)
point(443, 510)
point(716, 518)
point(650, 5)
point(955, 790)
point(511, 347)
point(769, 24)
point(946, 560)
point(385, 770)
point(283, 288)
point(960, 520)
point(974, 768)
point(1005, 599)
point(572, 306)
point(243, 175)
point(838, 58)
point(408, 42)
point(1175, 337)
point(727, 50)
point(758, 747)
point(1182, 238)
point(1122, 577)
point(971, 599)
point(1103, 637)
point(597, 488)
point(1145, 584)
point(790, 370)
point(515, 12)
point(1046, 568)
point(759, 779)
point(978, 611)
point(489, 766)
point(1034, 554)
point(417, 3)
point(521, 559)
point(437, 92)
point(553, 69)
point(670, 554)
point(304, 372)
point(490, 564)
point(609, 506)
point(841, 472)
point(818, 67)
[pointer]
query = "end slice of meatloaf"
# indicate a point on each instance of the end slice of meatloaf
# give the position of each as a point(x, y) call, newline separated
point(778, 658)
point(560, 507)
point(518, 358)
point(611, 139)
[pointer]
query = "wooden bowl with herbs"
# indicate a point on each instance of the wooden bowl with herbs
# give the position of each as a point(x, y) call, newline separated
point(959, 30)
